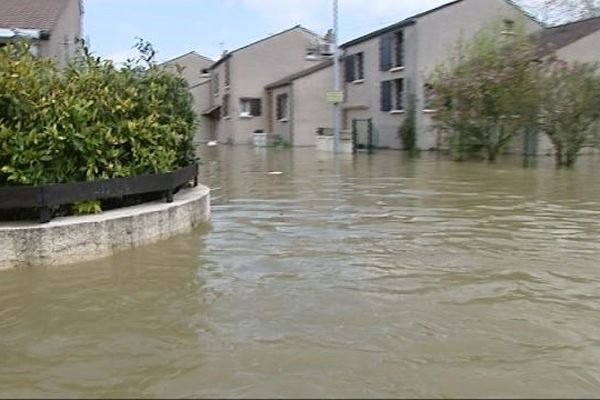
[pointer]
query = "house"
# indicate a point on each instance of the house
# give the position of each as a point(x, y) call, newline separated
point(572, 42)
point(387, 68)
point(576, 41)
point(239, 106)
point(53, 26)
point(195, 69)
point(299, 106)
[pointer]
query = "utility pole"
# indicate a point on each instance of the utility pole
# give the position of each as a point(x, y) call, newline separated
point(336, 79)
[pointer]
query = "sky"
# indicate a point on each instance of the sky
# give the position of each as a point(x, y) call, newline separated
point(208, 27)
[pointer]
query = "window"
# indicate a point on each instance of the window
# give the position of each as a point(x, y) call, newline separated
point(225, 106)
point(355, 67)
point(282, 106)
point(391, 50)
point(399, 42)
point(250, 107)
point(312, 53)
point(509, 27)
point(215, 83)
point(392, 95)
point(227, 73)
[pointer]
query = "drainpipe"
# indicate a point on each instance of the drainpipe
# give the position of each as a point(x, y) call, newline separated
point(336, 79)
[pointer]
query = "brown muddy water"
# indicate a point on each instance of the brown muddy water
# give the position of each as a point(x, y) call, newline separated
point(379, 276)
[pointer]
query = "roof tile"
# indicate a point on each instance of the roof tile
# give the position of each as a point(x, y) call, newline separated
point(30, 14)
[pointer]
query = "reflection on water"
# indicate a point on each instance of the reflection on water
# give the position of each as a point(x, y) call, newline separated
point(380, 276)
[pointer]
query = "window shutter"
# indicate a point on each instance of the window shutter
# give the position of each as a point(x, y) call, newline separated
point(400, 49)
point(361, 65)
point(385, 51)
point(225, 105)
point(386, 96)
point(255, 107)
point(349, 64)
point(399, 94)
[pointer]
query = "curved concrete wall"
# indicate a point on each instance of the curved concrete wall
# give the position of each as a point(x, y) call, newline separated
point(74, 239)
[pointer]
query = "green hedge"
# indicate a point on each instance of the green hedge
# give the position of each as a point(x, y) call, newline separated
point(91, 121)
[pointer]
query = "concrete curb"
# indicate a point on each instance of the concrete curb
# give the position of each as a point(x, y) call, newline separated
point(74, 239)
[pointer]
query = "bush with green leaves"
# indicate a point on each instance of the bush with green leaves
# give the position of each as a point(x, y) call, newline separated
point(569, 112)
point(494, 88)
point(487, 91)
point(91, 121)
point(408, 130)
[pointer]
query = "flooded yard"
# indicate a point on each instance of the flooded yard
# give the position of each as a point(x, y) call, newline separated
point(373, 276)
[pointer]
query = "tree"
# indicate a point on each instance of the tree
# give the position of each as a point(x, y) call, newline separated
point(487, 92)
point(569, 107)
point(408, 131)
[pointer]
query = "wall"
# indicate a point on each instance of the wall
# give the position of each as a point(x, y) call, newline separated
point(193, 64)
point(438, 32)
point(253, 68)
point(583, 50)
point(311, 109)
point(76, 239)
point(200, 93)
point(62, 44)
point(363, 99)
point(586, 49)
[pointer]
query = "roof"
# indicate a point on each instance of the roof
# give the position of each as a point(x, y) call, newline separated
point(211, 110)
point(291, 78)
point(561, 36)
point(413, 19)
point(228, 55)
point(31, 14)
point(397, 25)
point(189, 53)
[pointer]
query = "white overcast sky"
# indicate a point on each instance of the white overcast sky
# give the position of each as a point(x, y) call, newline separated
point(210, 26)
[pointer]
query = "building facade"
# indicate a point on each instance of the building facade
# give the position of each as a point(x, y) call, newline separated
point(53, 26)
point(195, 69)
point(299, 106)
point(387, 69)
point(239, 106)
point(573, 42)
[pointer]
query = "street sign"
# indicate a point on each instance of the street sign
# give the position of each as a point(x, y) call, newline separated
point(335, 97)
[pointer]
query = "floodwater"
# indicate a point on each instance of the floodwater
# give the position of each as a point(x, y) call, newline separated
point(378, 276)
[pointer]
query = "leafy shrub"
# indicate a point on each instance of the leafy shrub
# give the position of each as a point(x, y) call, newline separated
point(569, 108)
point(91, 121)
point(486, 92)
point(87, 207)
point(408, 131)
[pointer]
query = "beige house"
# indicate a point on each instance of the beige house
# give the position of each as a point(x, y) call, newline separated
point(384, 69)
point(299, 106)
point(196, 71)
point(53, 26)
point(577, 41)
point(239, 106)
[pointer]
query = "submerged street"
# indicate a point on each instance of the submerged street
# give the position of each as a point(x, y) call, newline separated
point(378, 276)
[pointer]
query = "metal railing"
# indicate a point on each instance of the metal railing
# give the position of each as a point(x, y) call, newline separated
point(48, 196)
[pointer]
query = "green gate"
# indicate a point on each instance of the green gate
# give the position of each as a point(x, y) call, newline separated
point(364, 136)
